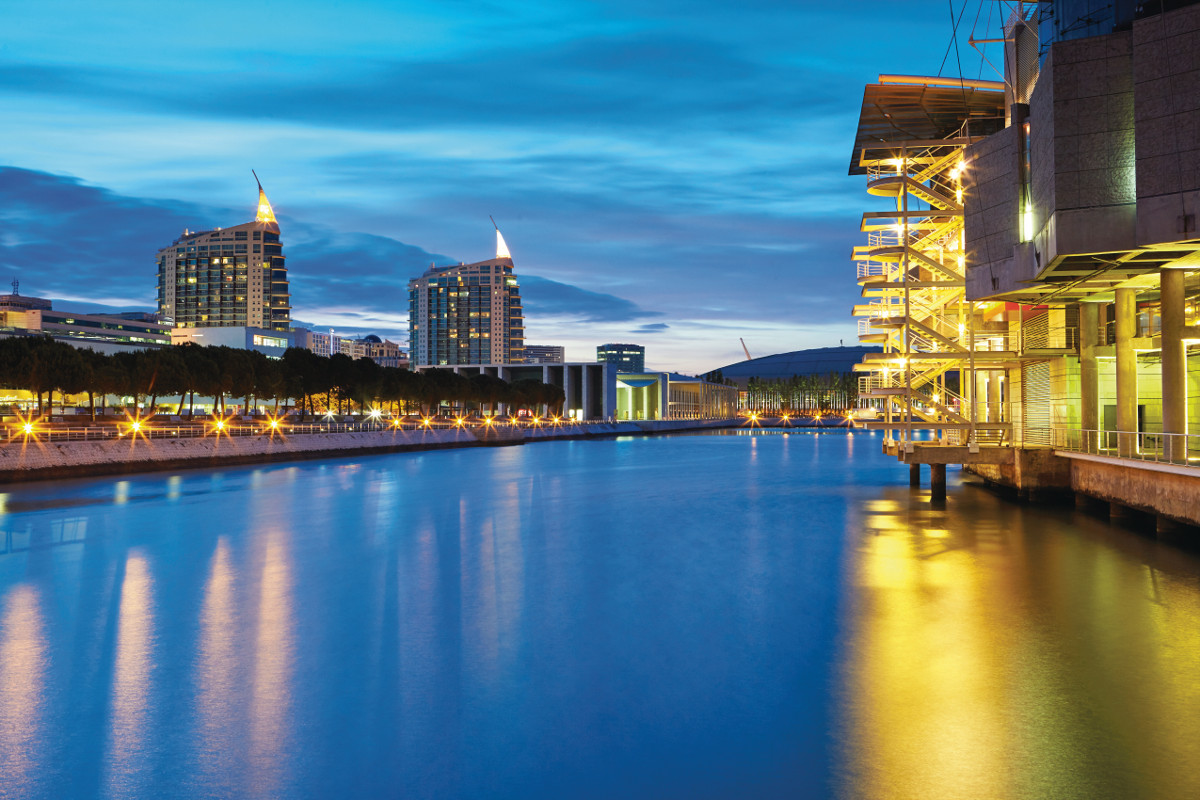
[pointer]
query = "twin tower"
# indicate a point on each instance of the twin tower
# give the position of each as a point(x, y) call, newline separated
point(236, 277)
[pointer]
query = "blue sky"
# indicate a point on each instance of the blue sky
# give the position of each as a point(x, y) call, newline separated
point(667, 173)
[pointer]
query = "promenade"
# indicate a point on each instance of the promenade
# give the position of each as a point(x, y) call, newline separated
point(40, 452)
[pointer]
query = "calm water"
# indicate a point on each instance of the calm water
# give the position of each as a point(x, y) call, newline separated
point(696, 616)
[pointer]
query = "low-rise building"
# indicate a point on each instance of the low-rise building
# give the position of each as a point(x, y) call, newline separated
point(105, 333)
point(545, 354)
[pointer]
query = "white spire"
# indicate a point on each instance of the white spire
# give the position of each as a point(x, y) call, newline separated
point(501, 247)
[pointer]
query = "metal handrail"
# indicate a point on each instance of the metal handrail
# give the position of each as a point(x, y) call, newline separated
point(1182, 449)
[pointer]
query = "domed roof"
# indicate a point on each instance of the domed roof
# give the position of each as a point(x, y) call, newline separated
point(370, 337)
point(815, 361)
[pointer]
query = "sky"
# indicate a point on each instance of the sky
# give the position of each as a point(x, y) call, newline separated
point(671, 174)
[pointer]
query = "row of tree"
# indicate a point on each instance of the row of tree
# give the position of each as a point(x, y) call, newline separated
point(309, 383)
point(803, 394)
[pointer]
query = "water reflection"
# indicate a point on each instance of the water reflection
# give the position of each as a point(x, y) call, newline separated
point(764, 615)
point(999, 652)
point(22, 675)
point(127, 771)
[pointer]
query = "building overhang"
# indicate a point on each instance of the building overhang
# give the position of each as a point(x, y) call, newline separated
point(904, 108)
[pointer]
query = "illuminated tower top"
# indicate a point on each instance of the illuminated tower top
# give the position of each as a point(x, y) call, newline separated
point(265, 214)
point(501, 247)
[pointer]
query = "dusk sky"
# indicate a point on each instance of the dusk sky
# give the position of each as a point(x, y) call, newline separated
point(668, 173)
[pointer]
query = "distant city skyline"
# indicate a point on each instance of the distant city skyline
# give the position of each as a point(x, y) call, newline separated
point(675, 178)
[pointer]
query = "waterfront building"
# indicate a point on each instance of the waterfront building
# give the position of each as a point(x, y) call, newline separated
point(626, 357)
point(1042, 249)
point(467, 313)
point(589, 389)
point(228, 277)
point(104, 333)
point(545, 354)
point(667, 395)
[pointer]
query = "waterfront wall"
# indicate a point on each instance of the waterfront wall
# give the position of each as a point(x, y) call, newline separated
point(36, 460)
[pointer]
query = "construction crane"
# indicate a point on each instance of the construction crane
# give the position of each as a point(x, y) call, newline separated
point(745, 349)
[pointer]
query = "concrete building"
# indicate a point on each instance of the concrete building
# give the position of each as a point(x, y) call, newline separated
point(104, 333)
point(590, 389)
point(666, 395)
point(545, 354)
point(269, 342)
point(467, 314)
point(228, 277)
point(383, 352)
point(625, 357)
point(1044, 247)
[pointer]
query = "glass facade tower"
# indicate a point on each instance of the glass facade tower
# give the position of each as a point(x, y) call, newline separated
point(228, 277)
point(466, 314)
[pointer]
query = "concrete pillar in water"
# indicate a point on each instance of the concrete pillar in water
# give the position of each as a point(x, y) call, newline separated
point(937, 481)
point(1127, 390)
point(1089, 374)
point(914, 474)
point(1174, 365)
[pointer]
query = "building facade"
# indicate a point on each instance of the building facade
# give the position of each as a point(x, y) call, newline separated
point(105, 333)
point(1035, 287)
point(467, 314)
point(625, 357)
point(545, 354)
point(227, 277)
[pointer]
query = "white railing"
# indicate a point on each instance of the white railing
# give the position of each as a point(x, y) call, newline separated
point(1182, 449)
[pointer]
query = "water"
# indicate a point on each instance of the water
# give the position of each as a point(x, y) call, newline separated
point(704, 616)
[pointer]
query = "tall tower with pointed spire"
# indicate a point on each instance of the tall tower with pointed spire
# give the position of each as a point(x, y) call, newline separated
point(467, 313)
point(227, 277)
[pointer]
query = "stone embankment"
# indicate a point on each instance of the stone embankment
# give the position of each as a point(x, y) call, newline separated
point(32, 459)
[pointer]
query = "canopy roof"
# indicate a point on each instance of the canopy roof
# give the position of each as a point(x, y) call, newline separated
point(898, 112)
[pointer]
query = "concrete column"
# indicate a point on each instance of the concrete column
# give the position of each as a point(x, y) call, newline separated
point(914, 474)
point(994, 405)
point(585, 393)
point(1174, 365)
point(937, 481)
point(568, 387)
point(1127, 391)
point(1089, 373)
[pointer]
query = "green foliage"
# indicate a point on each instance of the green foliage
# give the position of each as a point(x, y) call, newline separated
point(340, 383)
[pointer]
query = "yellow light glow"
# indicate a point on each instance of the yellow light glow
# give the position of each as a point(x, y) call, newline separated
point(135, 426)
point(425, 422)
point(220, 424)
point(458, 421)
point(274, 423)
point(27, 427)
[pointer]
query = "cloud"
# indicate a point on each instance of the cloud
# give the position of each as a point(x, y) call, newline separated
point(549, 298)
point(653, 327)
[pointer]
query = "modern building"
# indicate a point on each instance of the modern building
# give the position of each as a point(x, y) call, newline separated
point(590, 390)
point(467, 314)
point(227, 277)
point(545, 354)
point(625, 357)
point(666, 395)
point(1042, 246)
point(104, 333)
point(270, 343)
point(781, 366)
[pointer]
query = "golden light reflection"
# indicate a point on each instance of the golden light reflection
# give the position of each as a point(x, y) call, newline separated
point(22, 670)
point(125, 766)
point(219, 700)
point(271, 701)
point(995, 657)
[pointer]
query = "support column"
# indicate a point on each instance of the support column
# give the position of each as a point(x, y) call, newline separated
point(1089, 375)
point(994, 405)
point(914, 474)
point(1174, 365)
point(937, 481)
point(1127, 391)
